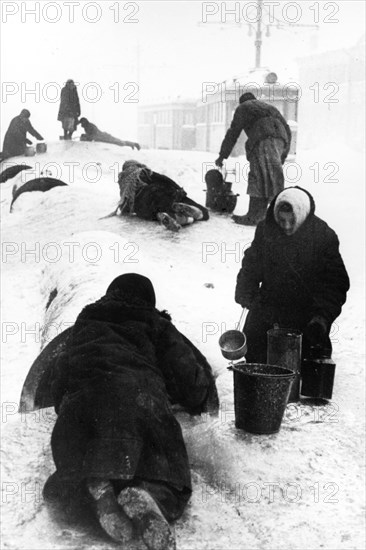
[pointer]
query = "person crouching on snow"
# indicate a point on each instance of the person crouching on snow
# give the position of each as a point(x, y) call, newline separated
point(154, 196)
point(116, 434)
point(292, 275)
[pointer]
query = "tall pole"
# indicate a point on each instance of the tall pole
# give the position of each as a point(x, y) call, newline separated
point(258, 35)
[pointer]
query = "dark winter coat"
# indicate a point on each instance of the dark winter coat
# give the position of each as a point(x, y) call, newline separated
point(69, 105)
point(304, 270)
point(15, 140)
point(92, 133)
point(291, 279)
point(159, 195)
point(125, 366)
point(260, 121)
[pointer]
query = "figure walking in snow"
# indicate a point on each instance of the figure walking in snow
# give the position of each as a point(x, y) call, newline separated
point(267, 146)
point(292, 275)
point(92, 133)
point(116, 434)
point(154, 196)
point(15, 140)
point(69, 111)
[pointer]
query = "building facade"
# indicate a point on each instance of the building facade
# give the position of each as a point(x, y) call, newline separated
point(201, 124)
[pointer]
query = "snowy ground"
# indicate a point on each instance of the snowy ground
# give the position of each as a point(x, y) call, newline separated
point(302, 488)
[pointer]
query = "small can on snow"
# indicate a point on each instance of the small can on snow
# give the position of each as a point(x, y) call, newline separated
point(30, 151)
point(41, 148)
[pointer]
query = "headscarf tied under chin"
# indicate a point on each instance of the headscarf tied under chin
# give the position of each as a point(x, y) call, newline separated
point(300, 202)
point(132, 285)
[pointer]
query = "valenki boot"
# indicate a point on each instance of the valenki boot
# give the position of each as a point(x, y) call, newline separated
point(111, 517)
point(168, 222)
point(256, 212)
point(147, 518)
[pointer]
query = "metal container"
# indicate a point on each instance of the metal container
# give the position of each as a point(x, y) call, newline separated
point(261, 394)
point(284, 349)
point(317, 378)
point(41, 148)
point(30, 151)
point(233, 343)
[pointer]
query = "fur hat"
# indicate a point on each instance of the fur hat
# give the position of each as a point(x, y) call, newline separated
point(135, 286)
point(299, 201)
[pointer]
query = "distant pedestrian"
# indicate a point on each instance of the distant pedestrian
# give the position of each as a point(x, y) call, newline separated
point(268, 144)
point(69, 111)
point(15, 140)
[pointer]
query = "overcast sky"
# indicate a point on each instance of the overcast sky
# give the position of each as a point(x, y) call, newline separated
point(141, 51)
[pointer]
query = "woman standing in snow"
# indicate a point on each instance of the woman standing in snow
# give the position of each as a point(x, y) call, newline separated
point(116, 434)
point(69, 111)
point(292, 275)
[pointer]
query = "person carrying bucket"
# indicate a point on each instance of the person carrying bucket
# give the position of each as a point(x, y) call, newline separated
point(292, 276)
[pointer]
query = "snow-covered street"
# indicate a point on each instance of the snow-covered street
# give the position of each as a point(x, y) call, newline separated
point(301, 488)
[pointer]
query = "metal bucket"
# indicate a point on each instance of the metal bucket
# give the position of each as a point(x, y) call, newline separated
point(41, 148)
point(261, 394)
point(233, 343)
point(284, 349)
point(30, 151)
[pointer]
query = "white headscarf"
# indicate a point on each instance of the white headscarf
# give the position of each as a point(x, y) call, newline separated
point(300, 202)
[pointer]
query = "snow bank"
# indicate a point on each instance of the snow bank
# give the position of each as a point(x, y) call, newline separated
point(301, 488)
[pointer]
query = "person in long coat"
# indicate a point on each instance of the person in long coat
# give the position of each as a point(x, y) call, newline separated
point(15, 140)
point(69, 110)
point(92, 133)
point(154, 196)
point(292, 275)
point(116, 432)
point(267, 147)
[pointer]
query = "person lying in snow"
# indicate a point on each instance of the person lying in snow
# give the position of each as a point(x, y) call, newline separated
point(292, 275)
point(116, 434)
point(153, 196)
point(92, 133)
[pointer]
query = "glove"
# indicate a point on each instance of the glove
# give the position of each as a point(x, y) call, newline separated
point(316, 331)
point(219, 162)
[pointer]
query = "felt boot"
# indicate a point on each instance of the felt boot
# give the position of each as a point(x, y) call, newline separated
point(168, 221)
point(110, 515)
point(256, 212)
point(183, 209)
point(147, 518)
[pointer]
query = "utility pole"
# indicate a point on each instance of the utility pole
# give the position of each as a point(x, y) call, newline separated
point(261, 20)
point(258, 35)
